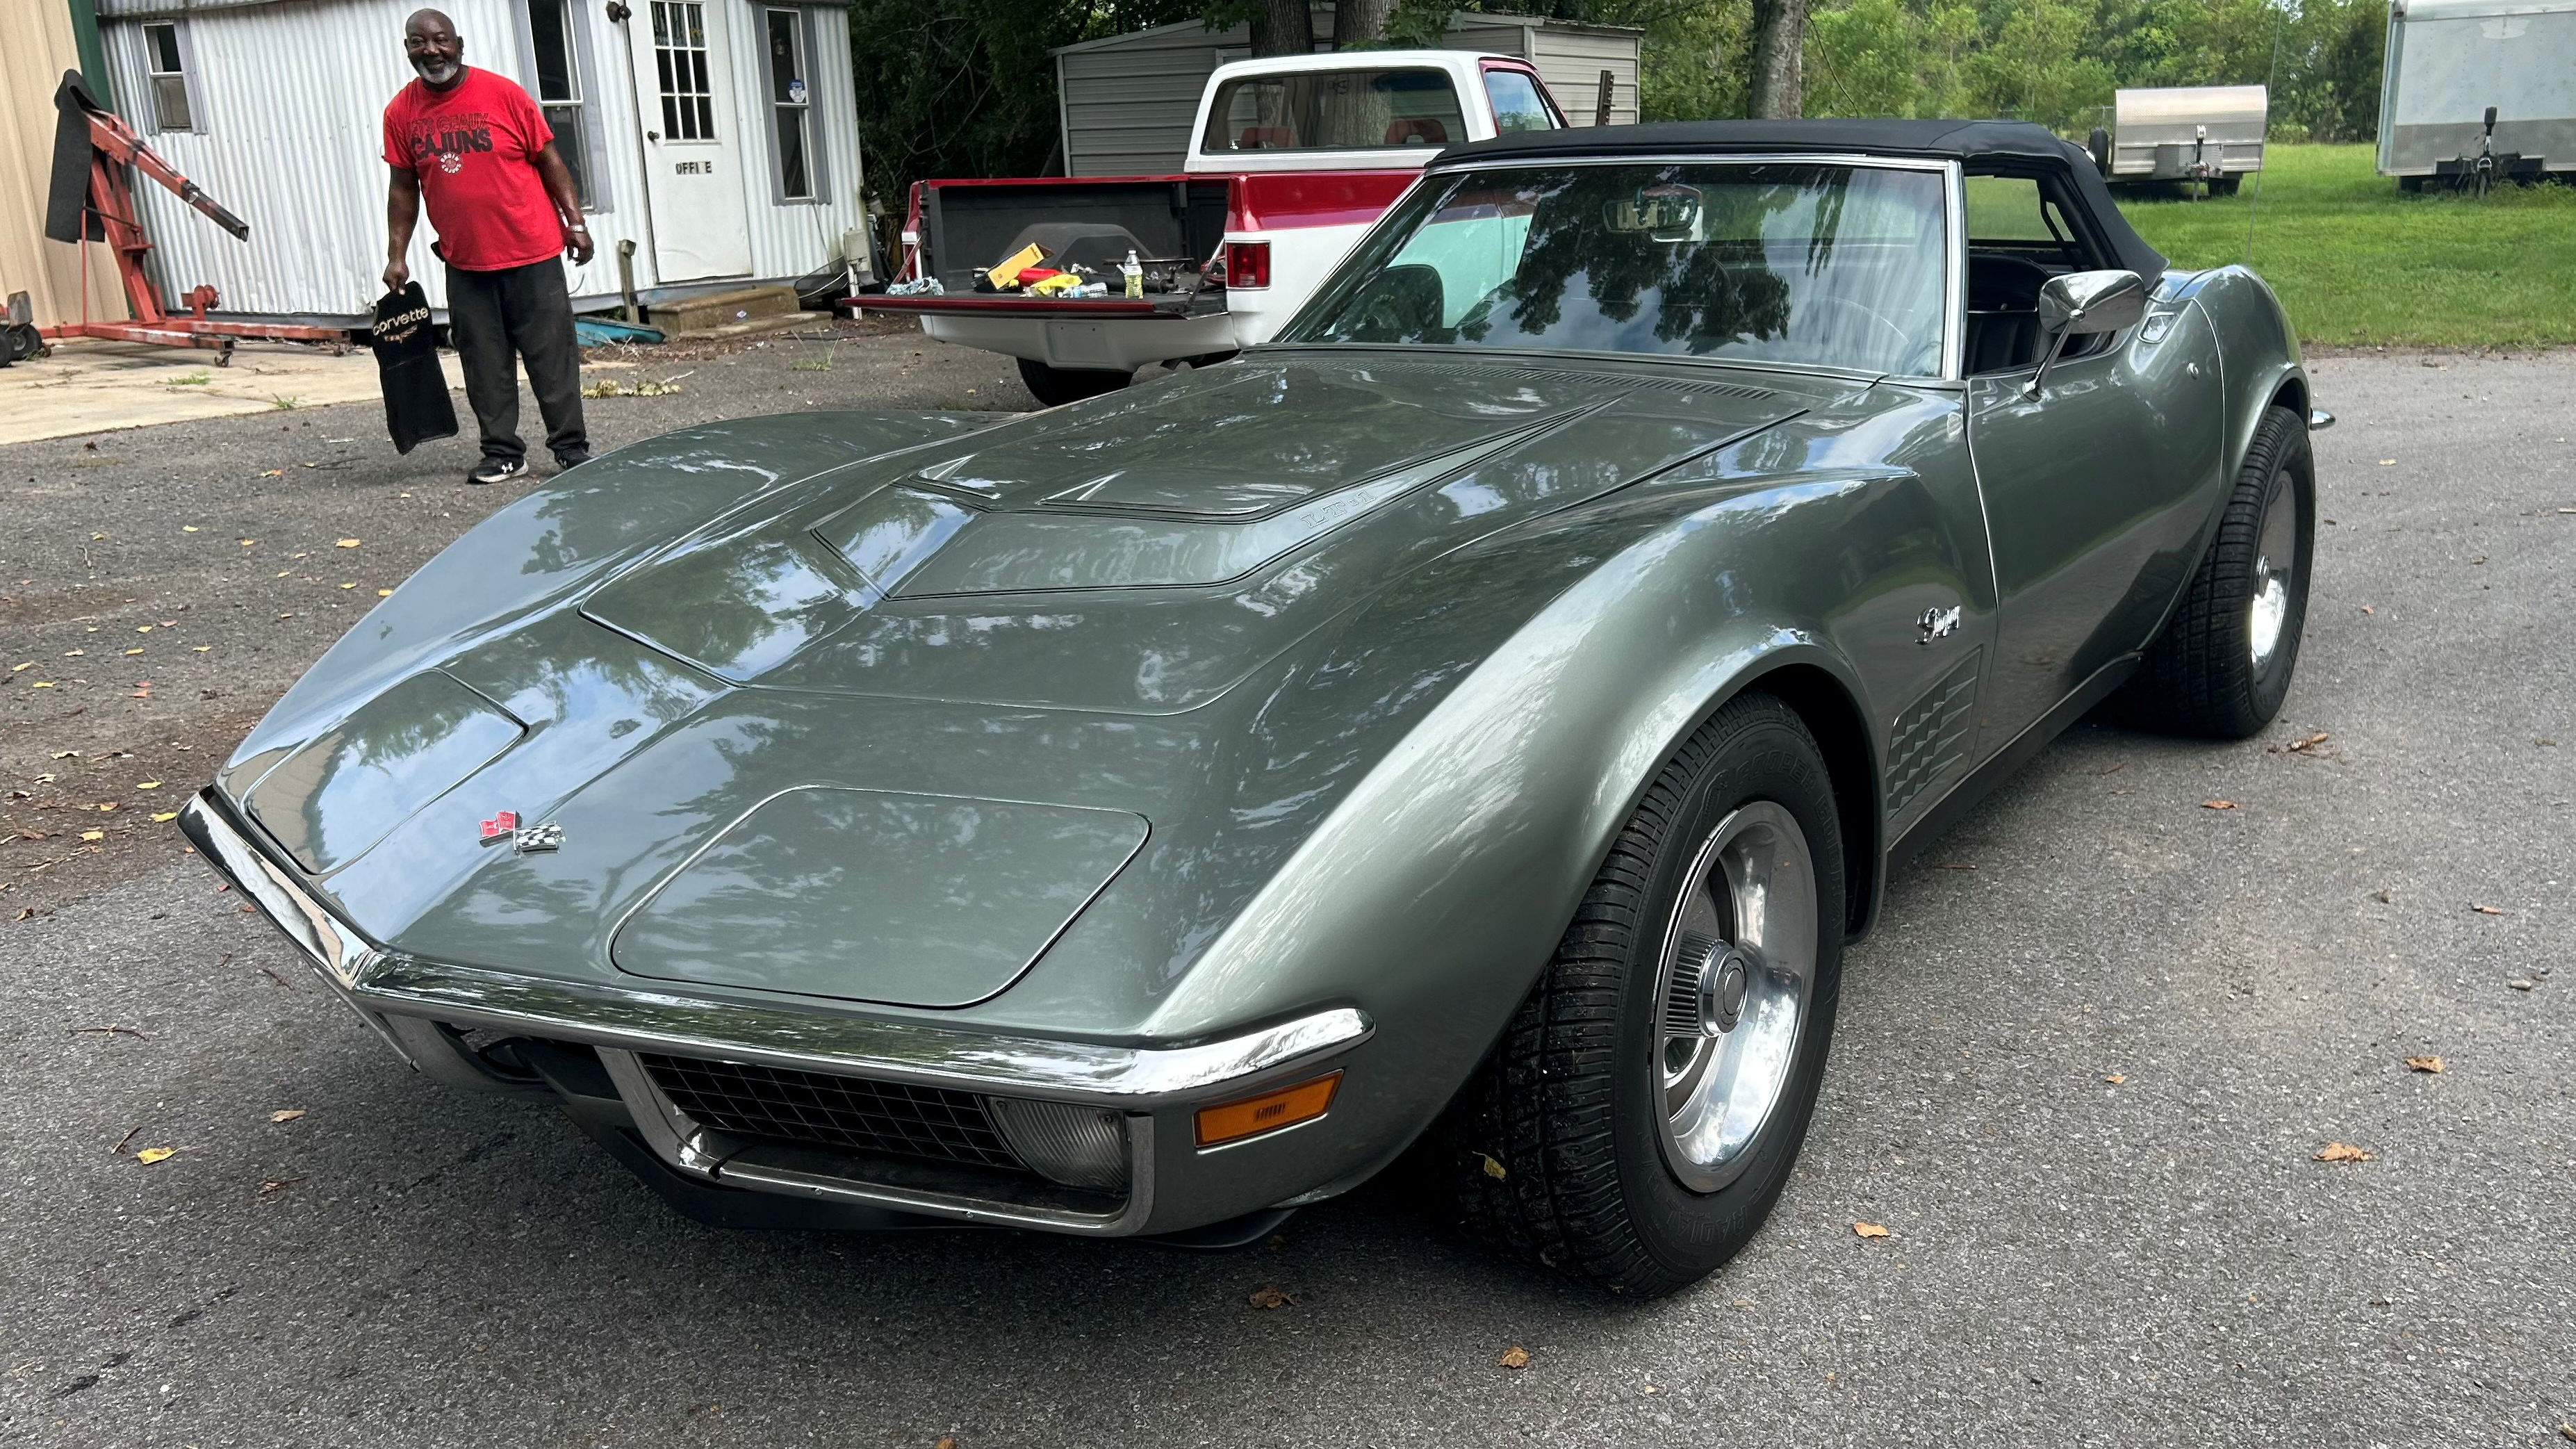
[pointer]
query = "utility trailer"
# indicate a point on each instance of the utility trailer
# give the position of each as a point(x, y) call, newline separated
point(2454, 65)
point(2210, 134)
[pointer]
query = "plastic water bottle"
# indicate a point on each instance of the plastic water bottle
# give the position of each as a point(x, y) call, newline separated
point(1134, 274)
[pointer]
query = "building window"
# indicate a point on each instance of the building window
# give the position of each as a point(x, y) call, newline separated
point(559, 90)
point(791, 106)
point(165, 60)
point(680, 62)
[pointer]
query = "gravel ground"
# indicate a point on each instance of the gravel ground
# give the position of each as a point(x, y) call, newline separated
point(2083, 1073)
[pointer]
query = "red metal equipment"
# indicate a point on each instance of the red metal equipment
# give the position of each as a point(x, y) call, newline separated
point(113, 147)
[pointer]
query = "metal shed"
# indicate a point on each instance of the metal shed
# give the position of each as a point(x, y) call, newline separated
point(276, 107)
point(1126, 102)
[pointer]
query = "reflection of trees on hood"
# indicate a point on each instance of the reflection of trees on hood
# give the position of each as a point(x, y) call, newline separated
point(1706, 293)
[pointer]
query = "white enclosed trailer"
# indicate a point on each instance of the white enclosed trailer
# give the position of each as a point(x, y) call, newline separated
point(2449, 60)
point(2184, 133)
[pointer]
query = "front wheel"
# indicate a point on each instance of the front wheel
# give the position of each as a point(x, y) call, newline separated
point(1639, 1117)
point(1055, 386)
point(2222, 665)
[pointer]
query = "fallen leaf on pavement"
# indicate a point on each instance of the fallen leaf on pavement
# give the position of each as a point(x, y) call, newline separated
point(165, 817)
point(93, 835)
point(1868, 1230)
point(2486, 910)
point(147, 785)
point(346, 543)
point(1514, 1357)
point(2424, 1064)
point(2217, 804)
point(2115, 1079)
point(268, 1185)
point(2342, 1152)
point(2295, 747)
point(286, 1115)
point(2520, 983)
point(150, 1155)
point(1269, 1298)
point(2566, 1430)
point(1493, 1169)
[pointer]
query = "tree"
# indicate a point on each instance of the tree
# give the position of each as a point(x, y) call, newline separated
point(1359, 24)
point(1282, 27)
point(1779, 47)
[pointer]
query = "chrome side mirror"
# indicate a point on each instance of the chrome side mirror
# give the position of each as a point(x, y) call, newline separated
point(2081, 304)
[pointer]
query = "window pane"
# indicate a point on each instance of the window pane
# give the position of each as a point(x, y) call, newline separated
point(793, 183)
point(552, 43)
point(1338, 110)
point(1830, 265)
point(2005, 208)
point(1516, 103)
point(164, 41)
point(661, 23)
point(784, 68)
point(573, 146)
point(706, 119)
point(170, 102)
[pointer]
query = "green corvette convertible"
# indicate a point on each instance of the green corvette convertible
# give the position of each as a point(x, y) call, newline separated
point(1473, 725)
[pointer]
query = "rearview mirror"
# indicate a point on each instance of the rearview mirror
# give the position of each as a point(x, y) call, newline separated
point(2084, 304)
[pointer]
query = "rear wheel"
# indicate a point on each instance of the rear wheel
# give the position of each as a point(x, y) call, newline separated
point(1053, 386)
point(2222, 665)
point(1640, 1114)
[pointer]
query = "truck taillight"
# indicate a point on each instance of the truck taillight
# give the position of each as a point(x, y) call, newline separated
point(1247, 264)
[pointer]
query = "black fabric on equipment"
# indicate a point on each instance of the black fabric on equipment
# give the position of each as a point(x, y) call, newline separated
point(67, 190)
point(417, 407)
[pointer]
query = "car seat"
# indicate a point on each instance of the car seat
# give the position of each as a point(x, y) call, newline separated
point(1265, 138)
point(1416, 131)
point(2003, 312)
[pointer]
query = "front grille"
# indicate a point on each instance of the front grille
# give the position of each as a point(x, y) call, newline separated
point(814, 1110)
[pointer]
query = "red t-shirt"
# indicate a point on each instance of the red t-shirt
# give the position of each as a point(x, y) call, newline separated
point(475, 152)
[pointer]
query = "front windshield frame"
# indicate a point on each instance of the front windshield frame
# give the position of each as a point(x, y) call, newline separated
point(1387, 234)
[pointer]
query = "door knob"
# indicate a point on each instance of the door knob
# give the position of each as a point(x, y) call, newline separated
point(652, 135)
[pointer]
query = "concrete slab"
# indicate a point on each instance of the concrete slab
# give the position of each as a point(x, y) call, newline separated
point(91, 386)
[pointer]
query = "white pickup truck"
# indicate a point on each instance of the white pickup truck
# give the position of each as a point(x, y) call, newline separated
point(1291, 159)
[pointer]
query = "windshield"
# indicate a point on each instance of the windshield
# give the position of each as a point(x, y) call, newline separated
point(1335, 110)
point(1837, 266)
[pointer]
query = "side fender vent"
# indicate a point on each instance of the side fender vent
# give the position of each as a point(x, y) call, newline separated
point(1931, 735)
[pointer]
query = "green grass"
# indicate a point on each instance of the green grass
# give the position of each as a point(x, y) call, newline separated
point(2356, 262)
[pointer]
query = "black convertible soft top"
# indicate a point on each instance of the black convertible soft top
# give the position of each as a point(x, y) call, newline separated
point(2014, 145)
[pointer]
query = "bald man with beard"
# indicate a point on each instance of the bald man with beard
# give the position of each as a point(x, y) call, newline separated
point(478, 151)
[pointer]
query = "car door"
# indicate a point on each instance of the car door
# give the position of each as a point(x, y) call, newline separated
point(2090, 486)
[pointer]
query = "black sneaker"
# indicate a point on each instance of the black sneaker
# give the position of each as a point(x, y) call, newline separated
point(497, 470)
point(564, 461)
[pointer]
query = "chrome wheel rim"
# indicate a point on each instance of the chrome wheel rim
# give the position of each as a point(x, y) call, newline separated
point(2276, 547)
point(1731, 992)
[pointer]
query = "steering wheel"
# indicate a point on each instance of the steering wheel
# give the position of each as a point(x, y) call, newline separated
point(1904, 342)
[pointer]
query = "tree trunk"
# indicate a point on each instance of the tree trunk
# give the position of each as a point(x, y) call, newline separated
point(1282, 27)
point(1358, 21)
point(1779, 40)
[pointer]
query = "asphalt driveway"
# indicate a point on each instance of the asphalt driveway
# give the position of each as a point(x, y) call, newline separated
point(2084, 1073)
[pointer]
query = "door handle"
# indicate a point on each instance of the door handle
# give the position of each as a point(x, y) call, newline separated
point(653, 136)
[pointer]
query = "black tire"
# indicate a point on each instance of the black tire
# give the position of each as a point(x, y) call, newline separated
point(1556, 1148)
point(21, 341)
point(2225, 185)
point(1054, 386)
point(2201, 675)
point(2098, 145)
point(2410, 185)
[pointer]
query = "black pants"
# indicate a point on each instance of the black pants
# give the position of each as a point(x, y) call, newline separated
point(499, 318)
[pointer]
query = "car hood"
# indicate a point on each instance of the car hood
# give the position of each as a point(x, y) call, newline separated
point(884, 728)
point(1144, 553)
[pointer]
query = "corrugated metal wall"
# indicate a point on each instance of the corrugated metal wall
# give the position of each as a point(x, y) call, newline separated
point(1572, 58)
point(36, 47)
point(293, 97)
point(1127, 102)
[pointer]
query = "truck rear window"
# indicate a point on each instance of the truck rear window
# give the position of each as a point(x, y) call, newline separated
point(1335, 110)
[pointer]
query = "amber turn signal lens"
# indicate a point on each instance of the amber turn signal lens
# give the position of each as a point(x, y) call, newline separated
point(1304, 1102)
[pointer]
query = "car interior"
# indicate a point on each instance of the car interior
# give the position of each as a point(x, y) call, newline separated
point(2019, 236)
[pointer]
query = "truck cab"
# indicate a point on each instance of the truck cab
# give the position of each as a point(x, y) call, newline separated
point(1291, 159)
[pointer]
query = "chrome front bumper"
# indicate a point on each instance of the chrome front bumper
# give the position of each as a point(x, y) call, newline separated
point(417, 1007)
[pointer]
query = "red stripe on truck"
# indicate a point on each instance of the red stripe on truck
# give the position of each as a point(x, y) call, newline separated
point(1284, 200)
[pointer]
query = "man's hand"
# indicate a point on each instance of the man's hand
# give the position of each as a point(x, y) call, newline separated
point(397, 272)
point(577, 245)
